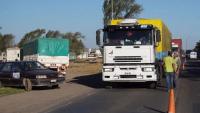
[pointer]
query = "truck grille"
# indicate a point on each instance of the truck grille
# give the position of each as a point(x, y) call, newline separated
point(127, 76)
point(127, 59)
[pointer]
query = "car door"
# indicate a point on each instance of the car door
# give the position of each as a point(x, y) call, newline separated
point(5, 73)
point(15, 74)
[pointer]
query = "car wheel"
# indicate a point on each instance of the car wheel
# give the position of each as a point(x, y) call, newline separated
point(55, 86)
point(1, 84)
point(27, 84)
point(153, 85)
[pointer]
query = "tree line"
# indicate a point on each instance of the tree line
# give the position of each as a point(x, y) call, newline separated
point(75, 39)
point(6, 41)
point(197, 47)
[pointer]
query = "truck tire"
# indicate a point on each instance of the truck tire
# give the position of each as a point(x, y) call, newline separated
point(159, 72)
point(27, 84)
point(153, 85)
point(108, 85)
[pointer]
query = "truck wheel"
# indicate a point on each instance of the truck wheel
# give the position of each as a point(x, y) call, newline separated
point(108, 85)
point(153, 85)
point(27, 84)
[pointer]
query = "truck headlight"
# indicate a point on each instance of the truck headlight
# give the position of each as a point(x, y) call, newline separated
point(108, 69)
point(41, 76)
point(147, 69)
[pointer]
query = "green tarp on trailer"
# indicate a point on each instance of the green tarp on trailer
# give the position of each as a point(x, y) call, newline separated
point(47, 47)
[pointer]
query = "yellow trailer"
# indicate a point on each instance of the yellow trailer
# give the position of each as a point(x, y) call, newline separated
point(165, 44)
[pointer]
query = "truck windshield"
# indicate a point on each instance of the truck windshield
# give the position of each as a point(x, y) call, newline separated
point(128, 37)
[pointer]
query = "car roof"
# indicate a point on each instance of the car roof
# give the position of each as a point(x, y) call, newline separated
point(17, 61)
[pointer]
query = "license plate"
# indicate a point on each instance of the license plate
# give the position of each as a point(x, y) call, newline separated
point(53, 65)
point(140, 76)
point(54, 80)
point(127, 73)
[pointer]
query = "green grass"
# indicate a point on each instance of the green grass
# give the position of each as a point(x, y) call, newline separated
point(9, 91)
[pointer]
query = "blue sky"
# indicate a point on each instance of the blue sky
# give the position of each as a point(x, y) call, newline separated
point(21, 16)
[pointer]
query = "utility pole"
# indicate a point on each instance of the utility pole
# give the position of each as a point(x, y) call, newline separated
point(186, 44)
point(112, 9)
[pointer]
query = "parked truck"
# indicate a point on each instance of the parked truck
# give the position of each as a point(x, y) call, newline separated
point(13, 54)
point(52, 52)
point(133, 50)
point(177, 46)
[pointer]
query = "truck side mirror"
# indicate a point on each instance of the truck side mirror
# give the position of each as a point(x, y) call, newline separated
point(98, 37)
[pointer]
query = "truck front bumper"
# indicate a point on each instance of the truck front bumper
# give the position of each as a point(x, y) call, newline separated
point(133, 73)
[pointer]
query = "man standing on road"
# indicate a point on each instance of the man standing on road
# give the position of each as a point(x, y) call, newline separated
point(169, 68)
point(177, 63)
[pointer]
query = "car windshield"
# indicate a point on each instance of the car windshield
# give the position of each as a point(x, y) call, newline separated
point(33, 66)
point(128, 37)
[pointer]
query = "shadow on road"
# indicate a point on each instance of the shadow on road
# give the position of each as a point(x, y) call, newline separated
point(153, 109)
point(95, 81)
point(44, 88)
point(193, 75)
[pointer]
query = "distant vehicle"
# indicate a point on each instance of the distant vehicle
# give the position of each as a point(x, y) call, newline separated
point(2, 56)
point(13, 54)
point(28, 74)
point(177, 46)
point(133, 50)
point(52, 52)
point(193, 55)
point(187, 54)
point(191, 66)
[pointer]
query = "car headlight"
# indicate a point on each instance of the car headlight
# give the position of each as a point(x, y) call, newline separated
point(147, 69)
point(108, 69)
point(60, 75)
point(41, 76)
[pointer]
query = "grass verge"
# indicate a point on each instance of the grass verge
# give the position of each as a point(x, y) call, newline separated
point(9, 91)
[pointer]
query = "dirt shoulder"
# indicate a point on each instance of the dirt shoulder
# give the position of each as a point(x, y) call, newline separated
point(42, 99)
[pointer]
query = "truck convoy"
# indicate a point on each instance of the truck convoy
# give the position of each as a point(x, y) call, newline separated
point(133, 50)
point(52, 52)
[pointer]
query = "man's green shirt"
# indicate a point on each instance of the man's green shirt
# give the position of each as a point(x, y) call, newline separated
point(168, 62)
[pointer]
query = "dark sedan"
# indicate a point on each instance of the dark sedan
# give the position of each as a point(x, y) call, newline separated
point(191, 66)
point(28, 74)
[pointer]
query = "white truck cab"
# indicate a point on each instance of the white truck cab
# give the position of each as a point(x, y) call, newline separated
point(129, 52)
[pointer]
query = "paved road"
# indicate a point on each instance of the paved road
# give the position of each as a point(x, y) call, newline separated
point(188, 100)
point(131, 99)
point(124, 98)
